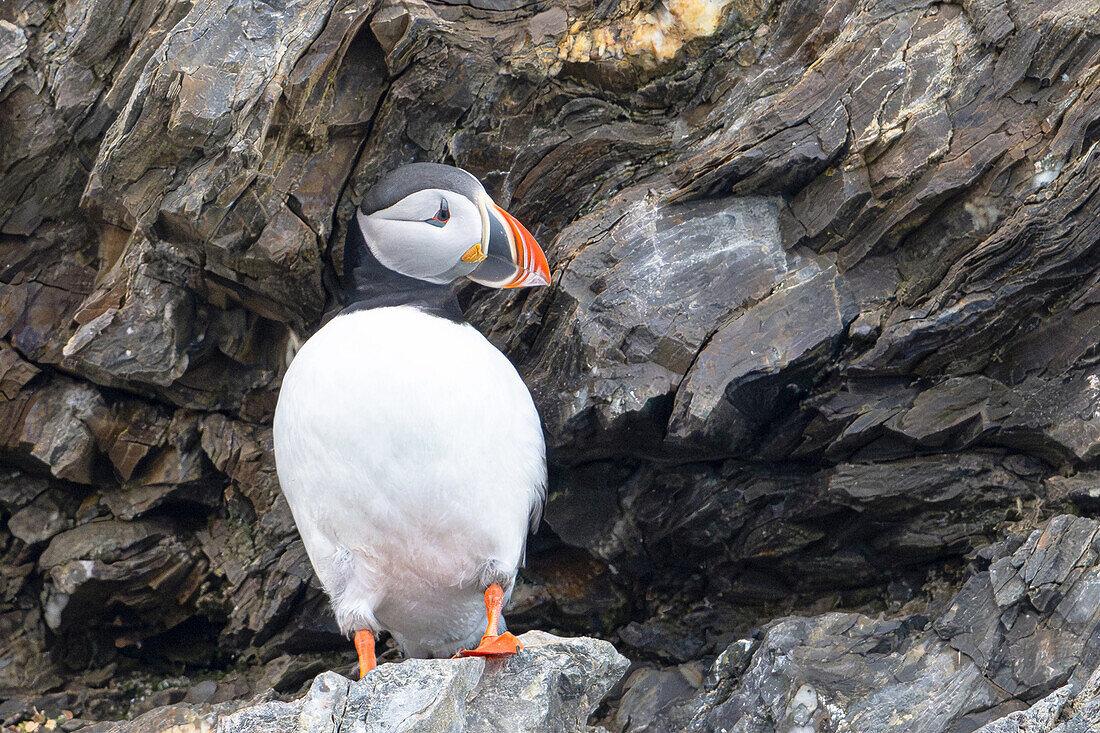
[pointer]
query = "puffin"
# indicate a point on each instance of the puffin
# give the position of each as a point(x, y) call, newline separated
point(407, 446)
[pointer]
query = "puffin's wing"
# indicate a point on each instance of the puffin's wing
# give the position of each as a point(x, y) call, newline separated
point(538, 502)
point(536, 510)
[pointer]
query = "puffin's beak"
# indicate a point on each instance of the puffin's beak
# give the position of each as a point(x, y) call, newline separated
point(514, 259)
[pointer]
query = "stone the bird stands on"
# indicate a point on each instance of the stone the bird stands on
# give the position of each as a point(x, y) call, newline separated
point(407, 446)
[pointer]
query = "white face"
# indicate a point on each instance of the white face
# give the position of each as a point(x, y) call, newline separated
point(425, 234)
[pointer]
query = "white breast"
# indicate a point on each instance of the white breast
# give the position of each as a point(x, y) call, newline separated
point(412, 456)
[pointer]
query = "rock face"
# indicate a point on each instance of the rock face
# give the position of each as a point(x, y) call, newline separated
point(822, 325)
point(553, 686)
point(1024, 627)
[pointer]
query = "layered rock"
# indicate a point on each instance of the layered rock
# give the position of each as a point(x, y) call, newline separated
point(823, 317)
point(1015, 649)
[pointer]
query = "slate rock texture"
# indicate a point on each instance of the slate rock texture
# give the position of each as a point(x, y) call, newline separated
point(552, 686)
point(822, 325)
point(1016, 649)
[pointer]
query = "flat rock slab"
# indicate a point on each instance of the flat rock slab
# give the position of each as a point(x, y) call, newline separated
point(554, 684)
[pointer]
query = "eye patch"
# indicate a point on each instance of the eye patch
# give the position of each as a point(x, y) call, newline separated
point(442, 216)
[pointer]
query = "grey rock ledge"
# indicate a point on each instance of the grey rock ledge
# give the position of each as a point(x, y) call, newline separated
point(555, 684)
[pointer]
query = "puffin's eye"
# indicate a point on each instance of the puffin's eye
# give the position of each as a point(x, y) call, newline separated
point(442, 216)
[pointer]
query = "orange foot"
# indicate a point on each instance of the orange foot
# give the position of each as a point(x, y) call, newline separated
point(493, 644)
point(364, 646)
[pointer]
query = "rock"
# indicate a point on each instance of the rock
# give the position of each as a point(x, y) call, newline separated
point(657, 700)
point(700, 263)
point(759, 365)
point(13, 44)
point(24, 655)
point(15, 372)
point(822, 326)
point(1039, 717)
point(1069, 709)
point(1083, 489)
point(112, 570)
point(1022, 631)
point(271, 586)
point(49, 513)
point(51, 427)
point(555, 684)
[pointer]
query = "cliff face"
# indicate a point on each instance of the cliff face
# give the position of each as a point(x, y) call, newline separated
point(824, 317)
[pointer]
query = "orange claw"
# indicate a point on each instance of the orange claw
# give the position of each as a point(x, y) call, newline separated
point(493, 644)
point(364, 645)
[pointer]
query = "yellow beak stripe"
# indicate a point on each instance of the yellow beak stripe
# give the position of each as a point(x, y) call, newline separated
point(474, 254)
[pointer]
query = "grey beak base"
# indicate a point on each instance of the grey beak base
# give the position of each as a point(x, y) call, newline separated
point(499, 266)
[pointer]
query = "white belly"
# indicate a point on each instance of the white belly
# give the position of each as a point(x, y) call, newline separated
point(411, 456)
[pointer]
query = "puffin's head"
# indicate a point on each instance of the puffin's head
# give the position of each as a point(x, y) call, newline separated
point(436, 223)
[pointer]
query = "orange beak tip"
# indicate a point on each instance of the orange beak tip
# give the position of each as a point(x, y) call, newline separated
point(534, 271)
point(542, 268)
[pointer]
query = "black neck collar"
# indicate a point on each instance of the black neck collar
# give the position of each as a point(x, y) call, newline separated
point(368, 284)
